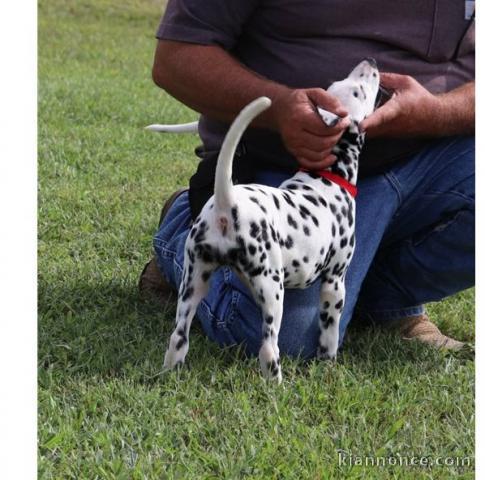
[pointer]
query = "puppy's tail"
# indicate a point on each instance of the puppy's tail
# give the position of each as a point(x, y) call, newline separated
point(223, 179)
point(191, 127)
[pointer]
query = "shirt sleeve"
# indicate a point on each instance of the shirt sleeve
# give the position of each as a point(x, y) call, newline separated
point(206, 22)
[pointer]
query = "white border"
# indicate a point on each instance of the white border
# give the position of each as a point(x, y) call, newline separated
point(18, 204)
point(480, 257)
point(18, 192)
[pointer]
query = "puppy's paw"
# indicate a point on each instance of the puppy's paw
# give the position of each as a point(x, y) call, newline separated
point(173, 358)
point(323, 353)
point(272, 370)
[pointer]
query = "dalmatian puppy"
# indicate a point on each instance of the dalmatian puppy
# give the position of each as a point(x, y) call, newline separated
point(280, 237)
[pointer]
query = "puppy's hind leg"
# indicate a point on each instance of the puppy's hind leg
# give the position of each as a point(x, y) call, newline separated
point(270, 298)
point(194, 287)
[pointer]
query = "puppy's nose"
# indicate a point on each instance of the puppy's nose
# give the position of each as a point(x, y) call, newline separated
point(371, 61)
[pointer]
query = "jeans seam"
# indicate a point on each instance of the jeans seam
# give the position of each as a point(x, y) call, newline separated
point(391, 178)
point(395, 313)
point(451, 192)
point(162, 247)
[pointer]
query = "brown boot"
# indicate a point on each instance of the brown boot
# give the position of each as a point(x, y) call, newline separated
point(420, 328)
point(152, 283)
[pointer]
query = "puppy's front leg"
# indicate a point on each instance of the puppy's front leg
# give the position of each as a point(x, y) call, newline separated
point(332, 298)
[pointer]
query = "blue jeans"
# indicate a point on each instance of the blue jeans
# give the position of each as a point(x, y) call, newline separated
point(414, 244)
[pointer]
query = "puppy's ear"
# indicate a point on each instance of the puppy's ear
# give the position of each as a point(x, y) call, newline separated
point(329, 118)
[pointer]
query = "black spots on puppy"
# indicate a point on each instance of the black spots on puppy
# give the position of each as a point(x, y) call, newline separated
point(254, 229)
point(191, 256)
point(187, 293)
point(311, 199)
point(350, 217)
point(289, 242)
point(269, 319)
point(276, 201)
point(326, 320)
point(343, 242)
point(288, 200)
point(235, 218)
point(306, 230)
point(339, 304)
point(291, 221)
point(322, 201)
point(255, 271)
point(181, 342)
point(272, 366)
point(304, 212)
point(201, 230)
point(274, 236)
point(205, 276)
point(252, 249)
point(256, 201)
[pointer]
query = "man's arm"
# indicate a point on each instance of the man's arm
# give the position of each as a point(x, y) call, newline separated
point(415, 112)
point(211, 81)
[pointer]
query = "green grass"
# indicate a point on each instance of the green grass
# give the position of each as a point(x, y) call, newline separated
point(105, 409)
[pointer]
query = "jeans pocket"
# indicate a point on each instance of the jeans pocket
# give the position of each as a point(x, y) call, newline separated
point(437, 228)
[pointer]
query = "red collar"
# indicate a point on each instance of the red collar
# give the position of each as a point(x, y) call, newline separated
point(333, 177)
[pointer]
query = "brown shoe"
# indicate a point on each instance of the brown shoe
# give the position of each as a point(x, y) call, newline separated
point(152, 283)
point(420, 328)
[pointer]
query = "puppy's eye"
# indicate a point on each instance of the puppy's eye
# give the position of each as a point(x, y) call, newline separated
point(374, 74)
point(356, 94)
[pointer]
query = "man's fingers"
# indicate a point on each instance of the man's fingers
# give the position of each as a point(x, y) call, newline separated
point(382, 115)
point(312, 156)
point(318, 143)
point(323, 99)
point(395, 81)
point(315, 125)
point(317, 165)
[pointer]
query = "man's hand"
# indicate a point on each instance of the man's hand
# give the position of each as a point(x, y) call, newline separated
point(415, 112)
point(302, 130)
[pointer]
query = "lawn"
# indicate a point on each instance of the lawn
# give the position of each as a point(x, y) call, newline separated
point(105, 408)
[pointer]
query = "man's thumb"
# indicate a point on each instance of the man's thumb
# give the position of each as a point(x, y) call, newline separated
point(321, 98)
